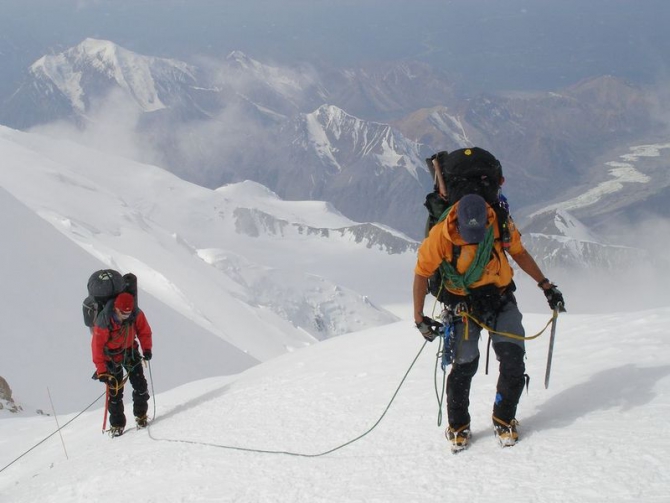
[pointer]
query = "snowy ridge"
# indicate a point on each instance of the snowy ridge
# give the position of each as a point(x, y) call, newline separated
point(255, 223)
point(330, 126)
point(561, 223)
point(556, 252)
point(573, 435)
point(450, 125)
point(621, 174)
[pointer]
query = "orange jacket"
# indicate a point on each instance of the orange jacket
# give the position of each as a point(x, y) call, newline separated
point(438, 247)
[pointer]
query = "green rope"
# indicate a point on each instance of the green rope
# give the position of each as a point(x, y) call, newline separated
point(457, 281)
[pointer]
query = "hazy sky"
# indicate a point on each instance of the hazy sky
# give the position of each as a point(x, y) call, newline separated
point(488, 44)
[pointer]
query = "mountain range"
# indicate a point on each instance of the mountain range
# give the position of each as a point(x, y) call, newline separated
point(355, 137)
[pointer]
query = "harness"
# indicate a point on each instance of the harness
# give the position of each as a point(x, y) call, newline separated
point(485, 301)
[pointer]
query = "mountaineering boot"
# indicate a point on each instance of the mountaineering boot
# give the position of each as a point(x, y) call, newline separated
point(459, 437)
point(141, 421)
point(505, 432)
point(115, 431)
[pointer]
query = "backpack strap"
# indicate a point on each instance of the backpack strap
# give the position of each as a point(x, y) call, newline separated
point(502, 217)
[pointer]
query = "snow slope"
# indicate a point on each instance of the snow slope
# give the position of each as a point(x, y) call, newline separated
point(228, 277)
point(43, 341)
point(599, 433)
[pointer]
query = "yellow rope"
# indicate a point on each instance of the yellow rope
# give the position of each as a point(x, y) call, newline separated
point(114, 388)
point(505, 334)
point(467, 315)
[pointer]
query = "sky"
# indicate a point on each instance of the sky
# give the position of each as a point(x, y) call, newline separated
point(483, 44)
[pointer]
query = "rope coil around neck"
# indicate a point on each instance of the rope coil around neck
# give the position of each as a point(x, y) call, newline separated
point(456, 280)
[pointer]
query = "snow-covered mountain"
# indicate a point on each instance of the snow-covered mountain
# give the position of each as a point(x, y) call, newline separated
point(230, 121)
point(72, 83)
point(306, 133)
point(361, 166)
point(262, 274)
point(559, 241)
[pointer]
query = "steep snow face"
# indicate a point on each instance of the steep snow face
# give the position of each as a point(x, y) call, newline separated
point(450, 125)
point(570, 227)
point(133, 73)
point(330, 129)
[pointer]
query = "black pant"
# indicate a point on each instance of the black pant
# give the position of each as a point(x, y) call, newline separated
point(132, 364)
point(510, 385)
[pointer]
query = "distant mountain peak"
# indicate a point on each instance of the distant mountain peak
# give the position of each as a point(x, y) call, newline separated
point(242, 59)
point(89, 68)
point(561, 223)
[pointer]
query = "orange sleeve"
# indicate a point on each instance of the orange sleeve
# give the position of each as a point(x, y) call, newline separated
point(432, 251)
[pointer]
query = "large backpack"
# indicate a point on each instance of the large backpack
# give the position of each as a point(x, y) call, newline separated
point(103, 286)
point(464, 171)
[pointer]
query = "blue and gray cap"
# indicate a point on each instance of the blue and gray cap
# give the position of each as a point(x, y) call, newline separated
point(472, 218)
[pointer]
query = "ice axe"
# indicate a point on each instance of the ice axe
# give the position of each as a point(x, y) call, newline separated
point(552, 337)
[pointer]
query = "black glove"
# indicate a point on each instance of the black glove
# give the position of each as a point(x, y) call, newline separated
point(555, 298)
point(147, 354)
point(429, 328)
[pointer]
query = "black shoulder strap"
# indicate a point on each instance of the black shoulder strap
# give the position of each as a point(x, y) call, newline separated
point(502, 216)
point(455, 254)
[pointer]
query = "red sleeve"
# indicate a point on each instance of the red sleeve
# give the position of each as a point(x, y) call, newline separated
point(98, 341)
point(143, 331)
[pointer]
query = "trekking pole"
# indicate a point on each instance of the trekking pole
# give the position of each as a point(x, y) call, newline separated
point(552, 337)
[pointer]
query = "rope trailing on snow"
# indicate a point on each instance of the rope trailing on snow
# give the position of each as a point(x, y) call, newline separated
point(298, 454)
point(153, 394)
point(58, 430)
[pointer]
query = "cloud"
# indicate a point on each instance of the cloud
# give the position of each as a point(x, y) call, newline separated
point(110, 126)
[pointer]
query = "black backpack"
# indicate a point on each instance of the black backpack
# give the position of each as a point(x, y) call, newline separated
point(103, 286)
point(464, 171)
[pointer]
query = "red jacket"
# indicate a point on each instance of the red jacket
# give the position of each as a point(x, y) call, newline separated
point(111, 337)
